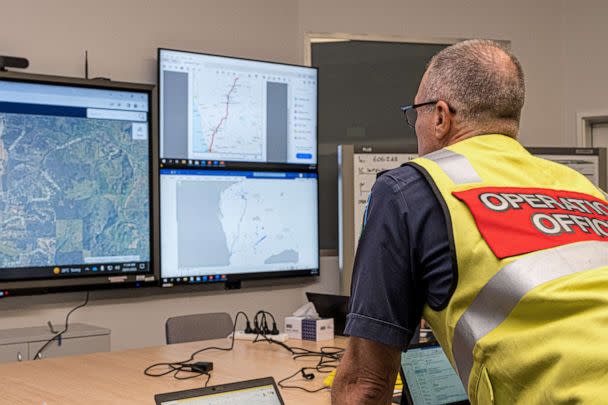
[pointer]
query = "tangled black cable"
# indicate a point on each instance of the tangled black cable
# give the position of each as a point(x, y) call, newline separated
point(329, 356)
point(58, 336)
point(260, 326)
point(185, 366)
point(324, 366)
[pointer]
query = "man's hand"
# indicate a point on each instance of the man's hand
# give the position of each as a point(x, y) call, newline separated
point(366, 374)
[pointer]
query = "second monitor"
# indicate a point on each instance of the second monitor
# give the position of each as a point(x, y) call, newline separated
point(223, 225)
point(220, 108)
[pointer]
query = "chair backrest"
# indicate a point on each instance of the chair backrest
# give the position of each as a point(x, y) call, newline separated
point(190, 328)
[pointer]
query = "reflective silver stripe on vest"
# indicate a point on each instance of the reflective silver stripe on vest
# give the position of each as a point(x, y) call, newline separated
point(456, 166)
point(501, 294)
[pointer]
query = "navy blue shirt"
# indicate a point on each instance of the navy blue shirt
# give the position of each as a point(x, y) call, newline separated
point(403, 259)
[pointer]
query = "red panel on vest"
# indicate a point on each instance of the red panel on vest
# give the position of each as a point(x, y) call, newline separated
point(515, 220)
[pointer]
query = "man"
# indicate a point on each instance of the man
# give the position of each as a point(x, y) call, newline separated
point(504, 254)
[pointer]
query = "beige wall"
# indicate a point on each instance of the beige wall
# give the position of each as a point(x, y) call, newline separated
point(122, 35)
point(585, 60)
point(560, 46)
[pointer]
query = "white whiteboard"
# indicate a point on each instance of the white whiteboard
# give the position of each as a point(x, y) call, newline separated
point(366, 167)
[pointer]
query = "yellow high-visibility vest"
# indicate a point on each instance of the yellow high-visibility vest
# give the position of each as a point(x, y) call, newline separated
point(527, 321)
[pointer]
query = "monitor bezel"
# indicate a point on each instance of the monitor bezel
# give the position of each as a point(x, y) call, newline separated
point(146, 278)
point(316, 69)
point(236, 278)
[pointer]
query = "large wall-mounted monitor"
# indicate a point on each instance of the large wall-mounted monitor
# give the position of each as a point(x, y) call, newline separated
point(229, 225)
point(75, 184)
point(223, 109)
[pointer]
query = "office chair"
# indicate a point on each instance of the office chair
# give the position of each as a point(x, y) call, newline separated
point(190, 328)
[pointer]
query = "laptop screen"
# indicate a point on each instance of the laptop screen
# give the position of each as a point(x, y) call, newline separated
point(262, 395)
point(430, 378)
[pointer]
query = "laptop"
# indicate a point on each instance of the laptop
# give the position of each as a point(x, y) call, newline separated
point(331, 306)
point(262, 391)
point(428, 377)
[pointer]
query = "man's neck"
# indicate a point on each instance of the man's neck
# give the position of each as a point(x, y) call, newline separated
point(466, 133)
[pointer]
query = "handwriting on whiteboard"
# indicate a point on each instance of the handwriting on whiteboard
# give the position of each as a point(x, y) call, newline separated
point(366, 168)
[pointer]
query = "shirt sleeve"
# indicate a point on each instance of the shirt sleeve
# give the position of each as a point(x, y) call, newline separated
point(385, 305)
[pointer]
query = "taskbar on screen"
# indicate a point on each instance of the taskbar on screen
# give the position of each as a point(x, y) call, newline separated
point(212, 278)
point(222, 164)
point(74, 270)
point(227, 278)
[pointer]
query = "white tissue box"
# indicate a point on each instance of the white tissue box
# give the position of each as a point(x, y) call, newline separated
point(301, 328)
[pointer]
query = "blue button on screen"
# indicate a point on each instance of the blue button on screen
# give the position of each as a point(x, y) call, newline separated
point(304, 156)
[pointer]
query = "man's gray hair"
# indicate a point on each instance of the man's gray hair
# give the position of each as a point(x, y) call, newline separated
point(480, 79)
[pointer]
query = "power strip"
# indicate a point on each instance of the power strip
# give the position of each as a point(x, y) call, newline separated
point(240, 335)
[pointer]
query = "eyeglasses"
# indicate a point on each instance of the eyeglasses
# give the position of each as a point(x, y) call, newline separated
point(411, 114)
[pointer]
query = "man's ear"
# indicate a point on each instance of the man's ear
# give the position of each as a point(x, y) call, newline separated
point(442, 121)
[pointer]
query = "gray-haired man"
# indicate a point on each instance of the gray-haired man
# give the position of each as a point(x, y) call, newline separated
point(496, 248)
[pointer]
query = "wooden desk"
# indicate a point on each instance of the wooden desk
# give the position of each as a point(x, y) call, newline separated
point(118, 377)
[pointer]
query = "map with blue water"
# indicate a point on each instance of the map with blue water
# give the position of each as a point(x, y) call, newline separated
point(71, 190)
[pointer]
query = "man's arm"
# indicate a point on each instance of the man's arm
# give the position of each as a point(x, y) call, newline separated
point(366, 374)
point(401, 254)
